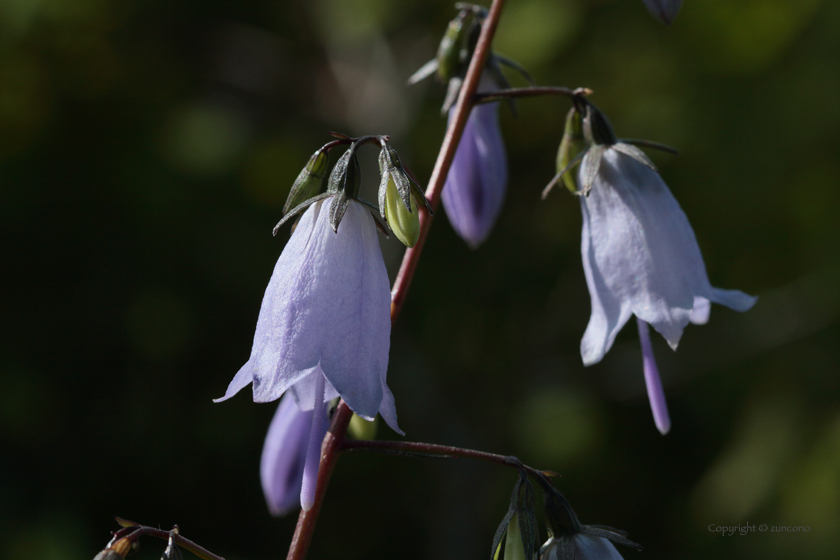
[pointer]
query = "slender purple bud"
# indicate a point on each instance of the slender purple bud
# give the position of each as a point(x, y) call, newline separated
point(654, 385)
point(284, 455)
point(477, 181)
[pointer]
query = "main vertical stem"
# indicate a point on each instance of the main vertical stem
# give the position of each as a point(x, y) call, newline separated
point(332, 443)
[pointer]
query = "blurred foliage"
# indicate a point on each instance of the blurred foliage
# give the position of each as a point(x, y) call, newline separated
point(146, 148)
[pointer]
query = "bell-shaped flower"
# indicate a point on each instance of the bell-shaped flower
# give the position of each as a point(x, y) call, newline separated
point(475, 187)
point(640, 258)
point(284, 455)
point(324, 326)
point(664, 10)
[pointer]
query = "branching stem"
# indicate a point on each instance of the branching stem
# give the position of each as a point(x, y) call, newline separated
point(442, 451)
point(332, 443)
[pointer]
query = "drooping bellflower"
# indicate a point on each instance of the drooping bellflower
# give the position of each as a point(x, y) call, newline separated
point(324, 326)
point(640, 256)
point(475, 187)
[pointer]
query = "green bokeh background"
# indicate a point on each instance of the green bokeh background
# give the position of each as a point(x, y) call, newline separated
point(146, 149)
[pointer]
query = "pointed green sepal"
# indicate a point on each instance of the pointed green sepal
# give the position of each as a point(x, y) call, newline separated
point(310, 180)
point(424, 72)
point(559, 515)
point(590, 166)
point(571, 145)
point(298, 209)
point(517, 534)
point(635, 153)
point(337, 210)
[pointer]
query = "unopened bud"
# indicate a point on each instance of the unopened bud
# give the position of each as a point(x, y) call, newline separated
point(572, 144)
point(361, 429)
point(449, 51)
point(404, 223)
point(116, 551)
point(309, 181)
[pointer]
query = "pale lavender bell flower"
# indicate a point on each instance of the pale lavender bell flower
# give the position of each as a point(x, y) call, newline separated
point(284, 454)
point(324, 326)
point(476, 184)
point(641, 258)
point(664, 10)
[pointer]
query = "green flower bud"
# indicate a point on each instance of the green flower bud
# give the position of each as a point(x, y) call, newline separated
point(403, 222)
point(361, 429)
point(309, 181)
point(572, 144)
point(449, 51)
point(514, 549)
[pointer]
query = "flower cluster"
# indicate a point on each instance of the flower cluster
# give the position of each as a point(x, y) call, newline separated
point(324, 326)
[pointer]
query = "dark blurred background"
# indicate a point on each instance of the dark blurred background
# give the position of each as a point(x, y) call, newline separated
point(147, 147)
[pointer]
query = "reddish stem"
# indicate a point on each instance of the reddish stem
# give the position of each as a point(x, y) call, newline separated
point(332, 443)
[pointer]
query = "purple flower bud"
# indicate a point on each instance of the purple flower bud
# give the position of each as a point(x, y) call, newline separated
point(663, 10)
point(324, 326)
point(476, 184)
point(284, 454)
point(641, 258)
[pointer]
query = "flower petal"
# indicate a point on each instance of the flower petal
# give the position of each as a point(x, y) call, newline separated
point(643, 245)
point(594, 548)
point(242, 378)
point(609, 314)
point(283, 456)
point(701, 310)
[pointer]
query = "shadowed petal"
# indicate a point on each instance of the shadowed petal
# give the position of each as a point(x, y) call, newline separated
point(609, 314)
point(283, 456)
point(594, 548)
